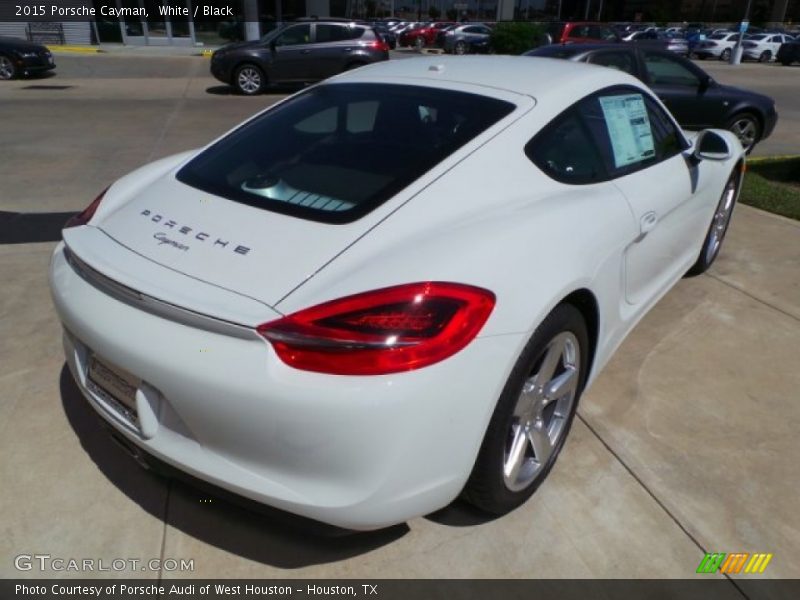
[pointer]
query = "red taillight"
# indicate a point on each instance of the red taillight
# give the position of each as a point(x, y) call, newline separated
point(83, 217)
point(389, 330)
point(380, 45)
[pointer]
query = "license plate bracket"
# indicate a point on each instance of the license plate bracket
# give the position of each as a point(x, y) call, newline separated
point(115, 386)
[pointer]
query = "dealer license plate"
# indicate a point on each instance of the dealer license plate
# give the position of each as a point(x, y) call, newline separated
point(116, 386)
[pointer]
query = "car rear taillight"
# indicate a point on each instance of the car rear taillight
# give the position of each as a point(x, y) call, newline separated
point(83, 217)
point(389, 330)
point(380, 45)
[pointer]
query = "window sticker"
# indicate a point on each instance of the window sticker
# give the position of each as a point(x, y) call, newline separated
point(629, 129)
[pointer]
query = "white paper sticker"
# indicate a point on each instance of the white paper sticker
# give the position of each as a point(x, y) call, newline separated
point(629, 128)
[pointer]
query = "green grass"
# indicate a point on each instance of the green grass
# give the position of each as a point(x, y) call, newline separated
point(773, 184)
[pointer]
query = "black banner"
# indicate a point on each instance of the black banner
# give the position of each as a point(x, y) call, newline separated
point(37, 11)
point(713, 588)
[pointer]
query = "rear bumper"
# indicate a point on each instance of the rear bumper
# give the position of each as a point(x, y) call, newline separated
point(355, 452)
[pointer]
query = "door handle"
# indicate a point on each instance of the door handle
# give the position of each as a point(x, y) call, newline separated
point(647, 223)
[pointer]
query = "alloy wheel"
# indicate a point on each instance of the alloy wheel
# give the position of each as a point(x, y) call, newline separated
point(249, 80)
point(541, 413)
point(461, 48)
point(7, 70)
point(722, 218)
point(746, 129)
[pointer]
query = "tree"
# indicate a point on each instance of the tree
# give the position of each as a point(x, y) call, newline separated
point(515, 37)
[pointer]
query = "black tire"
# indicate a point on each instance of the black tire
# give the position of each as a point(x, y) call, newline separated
point(460, 47)
point(8, 69)
point(718, 227)
point(419, 42)
point(747, 127)
point(249, 80)
point(487, 488)
point(726, 55)
point(765, 56)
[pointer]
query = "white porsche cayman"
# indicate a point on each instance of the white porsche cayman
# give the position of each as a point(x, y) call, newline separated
point(390, 288)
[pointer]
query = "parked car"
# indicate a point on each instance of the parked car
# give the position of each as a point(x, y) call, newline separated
point(424, 36)
point(460, 39)
point(578, 32)
point(654, 39)
point(693, 96)
point(718, 45)
point(789, 52)
point(298, 53)
point(337, 311)
point(20, 58)
point(763, 47)
point(386, 34)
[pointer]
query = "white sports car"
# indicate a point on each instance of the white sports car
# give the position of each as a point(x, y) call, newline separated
point(391, 288)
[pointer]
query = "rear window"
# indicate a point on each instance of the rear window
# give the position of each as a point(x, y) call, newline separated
point(337, 151)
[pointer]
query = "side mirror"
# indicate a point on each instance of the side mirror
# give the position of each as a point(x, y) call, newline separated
point(710, 145)
point(705, 83)
point(272, 45)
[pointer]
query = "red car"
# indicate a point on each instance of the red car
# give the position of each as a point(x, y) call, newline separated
point(580, 32)
point(423, 36)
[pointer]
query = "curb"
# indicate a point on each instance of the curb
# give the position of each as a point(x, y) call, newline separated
point(758, 159)
point(76, 49)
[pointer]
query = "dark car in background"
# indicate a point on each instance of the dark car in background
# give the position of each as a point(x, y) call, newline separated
point(20, 58)
point(693, 97)
point(301, 52)
point(788, 53)
point(465, 38)
point(657, 39)
point(382, 28)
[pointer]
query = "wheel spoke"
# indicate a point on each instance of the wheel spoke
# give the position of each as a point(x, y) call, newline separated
point(562, 385)
point(540, 441)
point(552, 359)
point(516, 454)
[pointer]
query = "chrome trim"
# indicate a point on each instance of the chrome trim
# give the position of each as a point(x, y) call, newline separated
point(154, 306)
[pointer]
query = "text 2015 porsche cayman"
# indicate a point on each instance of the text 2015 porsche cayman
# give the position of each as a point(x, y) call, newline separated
point(391, 288)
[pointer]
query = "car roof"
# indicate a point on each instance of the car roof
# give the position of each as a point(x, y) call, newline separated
point(541, 78)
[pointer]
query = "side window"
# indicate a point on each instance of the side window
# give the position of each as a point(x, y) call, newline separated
point(665, 70)
point(299, 34)
point(631, 130)
point(565, 151)
point(622, 61)
point(330, 33)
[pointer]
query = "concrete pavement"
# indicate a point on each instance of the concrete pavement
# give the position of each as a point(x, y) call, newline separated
point(685, 444)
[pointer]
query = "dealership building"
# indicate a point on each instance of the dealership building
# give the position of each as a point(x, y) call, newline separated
point(142, 22)
point(252, 18)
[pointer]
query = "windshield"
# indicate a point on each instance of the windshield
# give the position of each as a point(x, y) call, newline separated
point(337, 151)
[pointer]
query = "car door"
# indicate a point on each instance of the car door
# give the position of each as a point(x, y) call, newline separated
point(643, 150)
point(332, 46)
point(682, 87)
point(292, 54)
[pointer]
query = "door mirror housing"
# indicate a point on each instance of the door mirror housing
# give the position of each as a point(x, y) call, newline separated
point(706, 82)
point(709, 145)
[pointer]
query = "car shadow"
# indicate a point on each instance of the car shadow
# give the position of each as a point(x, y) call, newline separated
point(460, 514)
point(268, 536)
point(27, 228)
point(227, 90)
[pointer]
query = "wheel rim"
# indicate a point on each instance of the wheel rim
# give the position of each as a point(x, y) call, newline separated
point(726, 54)
point(461, 47)
point(542, 411)
point(419, 43)
point(249, 80)
point(764, 56)
point(746, 130)
point(722, 218)
point(6, 68)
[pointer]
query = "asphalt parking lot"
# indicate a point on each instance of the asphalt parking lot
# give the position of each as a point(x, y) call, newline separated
point(686, 444)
